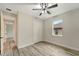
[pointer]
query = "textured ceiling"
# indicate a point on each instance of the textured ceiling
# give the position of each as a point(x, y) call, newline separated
point(27, 8)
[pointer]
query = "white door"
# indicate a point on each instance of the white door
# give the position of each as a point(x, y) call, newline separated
point(8, 30)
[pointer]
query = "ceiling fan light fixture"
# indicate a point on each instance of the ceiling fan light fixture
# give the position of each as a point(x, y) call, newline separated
point(42, 12)
point(44, 8)
point(45, 11)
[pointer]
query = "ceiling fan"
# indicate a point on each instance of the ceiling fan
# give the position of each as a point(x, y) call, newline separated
point(44, 8)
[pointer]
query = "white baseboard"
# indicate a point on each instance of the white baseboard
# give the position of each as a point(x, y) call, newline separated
point(66, 46)
point(22, 46)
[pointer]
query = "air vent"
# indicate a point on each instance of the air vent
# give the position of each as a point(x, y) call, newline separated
point(8, 9)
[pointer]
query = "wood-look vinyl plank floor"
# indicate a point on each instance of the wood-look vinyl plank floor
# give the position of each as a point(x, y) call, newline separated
point(38, 49)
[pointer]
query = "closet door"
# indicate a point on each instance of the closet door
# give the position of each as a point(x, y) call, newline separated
point(8, 31)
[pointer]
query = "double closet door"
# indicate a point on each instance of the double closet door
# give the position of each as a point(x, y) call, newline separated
point(8, 30)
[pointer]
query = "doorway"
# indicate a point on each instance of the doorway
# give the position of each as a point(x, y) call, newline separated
point(8, 31)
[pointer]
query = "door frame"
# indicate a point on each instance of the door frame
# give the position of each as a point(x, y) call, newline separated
point(3, 29)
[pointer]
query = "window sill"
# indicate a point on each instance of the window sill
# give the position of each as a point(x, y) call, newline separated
point(58, 35)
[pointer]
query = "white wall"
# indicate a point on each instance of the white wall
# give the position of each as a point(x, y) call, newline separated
point(71, 30)
point(37, 30)
point(29, 30)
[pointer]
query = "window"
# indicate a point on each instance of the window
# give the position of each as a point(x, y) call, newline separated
point(57, 27)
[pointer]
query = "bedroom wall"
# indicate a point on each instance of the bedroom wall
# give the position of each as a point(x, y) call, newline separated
point(71, 30)
point(29, 30)
point(37, 30)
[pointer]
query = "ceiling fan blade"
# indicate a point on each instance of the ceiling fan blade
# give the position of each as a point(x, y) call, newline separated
point(36, 9)
point(40, 14)
point(48, 12)
point(53, 6)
